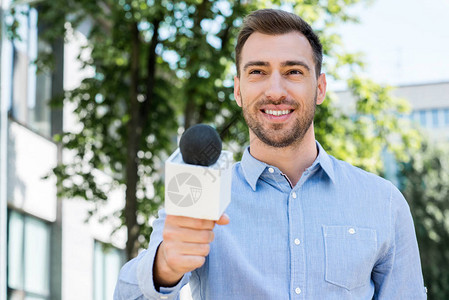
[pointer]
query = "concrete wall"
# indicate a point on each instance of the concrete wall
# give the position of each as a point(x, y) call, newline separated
point(425, 96)
point(30, 158)
point(78, 243)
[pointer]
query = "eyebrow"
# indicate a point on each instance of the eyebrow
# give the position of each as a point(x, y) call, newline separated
point(288, 63)
point(257, 63)
point(292, 63)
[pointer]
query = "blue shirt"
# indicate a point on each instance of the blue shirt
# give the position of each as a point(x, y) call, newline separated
point(339, 233)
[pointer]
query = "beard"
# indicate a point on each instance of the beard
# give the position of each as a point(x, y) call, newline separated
point(276, 135)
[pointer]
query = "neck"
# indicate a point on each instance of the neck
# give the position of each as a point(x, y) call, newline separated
point(292, 160)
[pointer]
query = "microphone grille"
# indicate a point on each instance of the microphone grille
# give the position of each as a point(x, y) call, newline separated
point(200, 145)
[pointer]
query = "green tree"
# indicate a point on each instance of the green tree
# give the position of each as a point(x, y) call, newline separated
point(154, 62)
point(160, 65)
point(425, 184)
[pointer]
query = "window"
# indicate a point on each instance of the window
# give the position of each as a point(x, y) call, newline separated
point(435, 118)
point(28, 258)
point(414, 116)
point(423, 118)
point(30, 89)
point(107, 263)
point(446, 117)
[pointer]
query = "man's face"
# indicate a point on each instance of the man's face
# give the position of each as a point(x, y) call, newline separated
point(278, 89)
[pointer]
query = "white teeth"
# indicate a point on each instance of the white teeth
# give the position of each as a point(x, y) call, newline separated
point(277, 112)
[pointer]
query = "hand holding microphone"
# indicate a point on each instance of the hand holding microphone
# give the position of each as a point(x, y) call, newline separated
point(184, 248)
point(197, 191)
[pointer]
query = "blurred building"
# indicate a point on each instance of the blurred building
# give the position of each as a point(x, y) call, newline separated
point(47, 249)
point(430, 107)
point(429, 103)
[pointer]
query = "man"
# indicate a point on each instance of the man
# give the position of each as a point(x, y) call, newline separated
point(302, 225)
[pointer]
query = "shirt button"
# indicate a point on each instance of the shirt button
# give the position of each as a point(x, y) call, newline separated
point(298, 290)
point(351, 230)
point(294, 195)
point(271, 170)
point(297, 242)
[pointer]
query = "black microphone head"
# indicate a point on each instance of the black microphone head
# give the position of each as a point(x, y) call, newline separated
point(200, 145)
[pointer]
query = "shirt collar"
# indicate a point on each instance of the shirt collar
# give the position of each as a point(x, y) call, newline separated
point(324, 160)
point(253, 168)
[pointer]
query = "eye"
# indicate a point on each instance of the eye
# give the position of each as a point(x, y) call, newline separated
point(295, 72)
point(255, 72)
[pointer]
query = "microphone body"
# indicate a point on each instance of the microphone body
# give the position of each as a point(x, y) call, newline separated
point(196, 191)
point(198, 175)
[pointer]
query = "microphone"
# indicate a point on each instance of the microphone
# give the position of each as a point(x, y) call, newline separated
point(198, 175)
point(200, 145)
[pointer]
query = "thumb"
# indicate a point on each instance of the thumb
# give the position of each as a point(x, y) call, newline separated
point(224, 219)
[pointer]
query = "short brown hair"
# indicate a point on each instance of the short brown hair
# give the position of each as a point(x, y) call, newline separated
point(275, 22)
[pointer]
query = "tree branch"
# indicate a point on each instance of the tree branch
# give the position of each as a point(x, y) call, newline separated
point(151, 73)
point(190, 107)
point(134, 133)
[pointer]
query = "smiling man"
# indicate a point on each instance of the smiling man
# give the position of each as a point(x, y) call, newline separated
point(304, 225)
point(278, 88)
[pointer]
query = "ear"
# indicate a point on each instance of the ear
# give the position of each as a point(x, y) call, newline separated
point(321, 89)
point(237, 96)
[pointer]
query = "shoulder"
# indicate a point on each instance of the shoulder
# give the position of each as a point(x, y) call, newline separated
point(359, 181)
point(345, 173)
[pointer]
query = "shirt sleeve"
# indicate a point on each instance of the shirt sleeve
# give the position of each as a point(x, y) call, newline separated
point(398, 275)
point(136, 276)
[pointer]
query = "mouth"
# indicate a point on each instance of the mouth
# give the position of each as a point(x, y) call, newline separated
point(277, 113)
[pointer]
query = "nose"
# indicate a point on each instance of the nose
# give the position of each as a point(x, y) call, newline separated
point(276, 89)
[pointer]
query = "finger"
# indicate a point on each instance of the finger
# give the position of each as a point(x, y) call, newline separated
point(224, 220)
point(187, 235)
point(187, 263)
point(187, 222)
point(181, 263)
point(194, 249)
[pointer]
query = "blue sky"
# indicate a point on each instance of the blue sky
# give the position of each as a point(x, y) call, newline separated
point(404, 41)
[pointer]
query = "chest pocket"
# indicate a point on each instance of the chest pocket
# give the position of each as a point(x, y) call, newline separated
point(350, 255)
